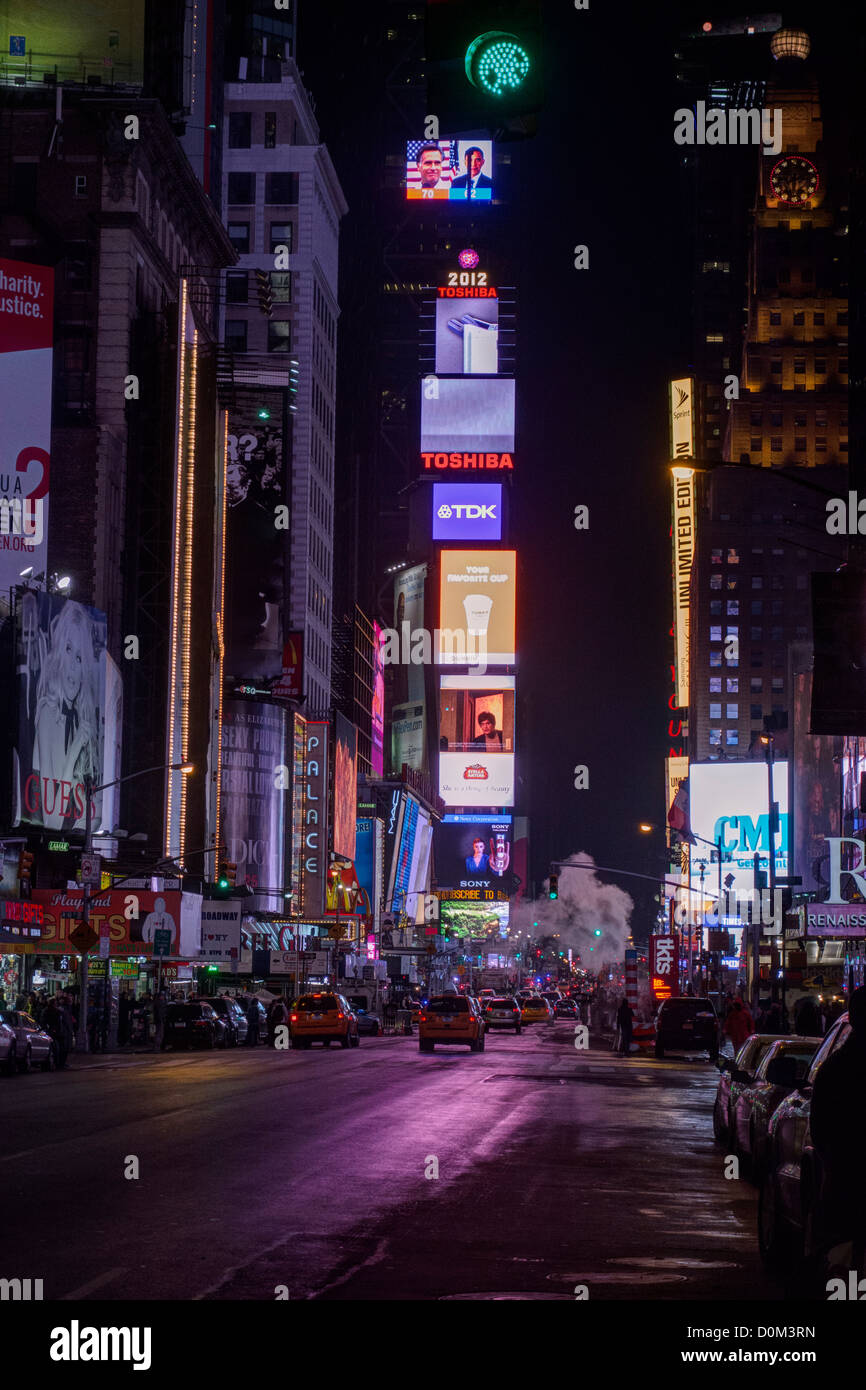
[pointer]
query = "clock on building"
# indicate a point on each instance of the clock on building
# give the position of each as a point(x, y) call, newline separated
point(794, 180)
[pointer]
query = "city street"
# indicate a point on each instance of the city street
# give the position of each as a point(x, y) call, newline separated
point(307, 1169)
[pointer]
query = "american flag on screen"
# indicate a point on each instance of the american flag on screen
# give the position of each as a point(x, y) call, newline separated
point(449, 165)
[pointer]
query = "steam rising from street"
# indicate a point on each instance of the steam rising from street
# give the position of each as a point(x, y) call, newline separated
point(584, 904)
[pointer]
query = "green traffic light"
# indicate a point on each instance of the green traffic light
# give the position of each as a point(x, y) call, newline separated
point(496, 63)
point(597, 931)
point(223, 883)
point(263, 413)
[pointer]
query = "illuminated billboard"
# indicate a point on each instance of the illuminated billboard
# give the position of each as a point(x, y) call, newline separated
point(467, 414)
point(478, 779)
point(407, 737)
point(467, 511)
point(476, 606)
point(473, 851)
point(730, 800)
point(472, 920)
point(683, 418)
point(61, 711)
point(254, 800)
point(467, 340)
point(683, 528)
point(476, 728)
point(377, 731)
point(449, 170)
point(103, 39)
point(345, 787)
point(409, 586)
point(26, 358)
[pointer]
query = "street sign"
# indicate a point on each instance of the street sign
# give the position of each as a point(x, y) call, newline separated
point(162, 941)
point(91, 869)
point(83, 938)
point(105, 940)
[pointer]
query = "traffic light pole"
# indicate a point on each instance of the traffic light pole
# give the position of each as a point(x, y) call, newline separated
point(81, 1041)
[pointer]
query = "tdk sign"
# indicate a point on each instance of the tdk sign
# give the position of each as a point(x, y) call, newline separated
point(467, 511)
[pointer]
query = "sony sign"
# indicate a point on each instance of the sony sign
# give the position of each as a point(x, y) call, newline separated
point(315, 817)
point(467, 511)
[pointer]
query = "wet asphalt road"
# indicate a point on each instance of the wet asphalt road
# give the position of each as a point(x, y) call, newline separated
point(306, 1170)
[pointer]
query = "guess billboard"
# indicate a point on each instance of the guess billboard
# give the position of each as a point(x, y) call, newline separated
point(664, 965)
point(467, 511)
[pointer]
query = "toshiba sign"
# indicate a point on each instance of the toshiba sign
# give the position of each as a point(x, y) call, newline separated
point(467, 511)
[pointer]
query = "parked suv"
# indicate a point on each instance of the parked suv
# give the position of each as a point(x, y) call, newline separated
point(193, 1025)
point(687, 1025)
point(233, 1017)
point(324, 1018)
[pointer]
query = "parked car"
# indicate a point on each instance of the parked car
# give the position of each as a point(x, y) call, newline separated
point(735, 1073)
point(501, 1013)
point(7, 1047)
point(193, 1025)
point(684, 1024)
point(791, 1180)
point(30, 1046)
point(323, 1017)
point(755, 1103)
point(566, 1008)
point(234, 1018)
point(369, 1024)
point(451, 1018)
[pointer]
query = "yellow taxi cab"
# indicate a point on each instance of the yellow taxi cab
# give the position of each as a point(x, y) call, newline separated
point(325, 1017)
point(534, 1009)
point(451, 1018)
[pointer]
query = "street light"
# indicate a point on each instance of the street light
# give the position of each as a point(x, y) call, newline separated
point(89, 792)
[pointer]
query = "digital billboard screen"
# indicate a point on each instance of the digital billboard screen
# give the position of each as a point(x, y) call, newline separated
point(61, 710)
point(449, 170)
point(467, 340)
point(377, 733)
point(730, 799)
point(407, 737)
point(467, 414)
point(476, 606)
point(462, 919)
point(345, 787)
point(473, 852)
point(26, 364)
point(254, 807)
point(476, 714)
point(467, 511)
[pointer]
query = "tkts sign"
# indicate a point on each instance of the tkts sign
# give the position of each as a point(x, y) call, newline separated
point(664, 965)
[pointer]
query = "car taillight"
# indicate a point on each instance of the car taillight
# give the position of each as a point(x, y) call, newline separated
point(422, 1018)
point(339, 1015)
point(293, 1018)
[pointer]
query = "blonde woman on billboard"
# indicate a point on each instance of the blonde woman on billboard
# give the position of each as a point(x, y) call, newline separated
point(66, 745)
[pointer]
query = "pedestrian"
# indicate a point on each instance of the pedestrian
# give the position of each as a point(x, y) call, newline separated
point(159, 1012)
point(278, 1017)
point(838, 1130)
point(625, 1023)
point(738, 1024)
point(124, 1011)
point(253, 1022)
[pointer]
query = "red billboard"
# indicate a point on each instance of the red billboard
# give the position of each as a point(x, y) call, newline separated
point(664, 956)
point(131, 935)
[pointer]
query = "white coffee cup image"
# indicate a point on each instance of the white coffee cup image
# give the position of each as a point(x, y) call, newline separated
point(477, 608)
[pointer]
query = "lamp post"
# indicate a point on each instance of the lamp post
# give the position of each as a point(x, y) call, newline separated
point(81, 1041)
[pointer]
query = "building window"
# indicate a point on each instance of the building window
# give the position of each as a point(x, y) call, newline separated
point(237, 287)
point(842, 318)
point(715, 557)
point(756, 711)
point(733, 556)
point(757, 581)
point(799, 318)
point(732, 737)
point(775, 317)
point(81, 185)
point(778, 581)
point(778, 683)
point(756, 444)
point(800, 443)
point(78, 272)
point(776, 366)
point(776, 607)
point(799, 364)
point(756, 419)
point(716, 608)
point(818, 320)
point(716, 633)
point(281, 235)
point(270, 130)
point(240, 130)
point(279, 335)
point(756, 685)
point(242, 188)
point(783, 276)
point(716, 711)
point(757, 607)
point(776, 419)
point(281, 188)
point(239, 235)
point(757, 660)
point(715, 658)
point(732, 685)
point(820, 366)
point(843, 366)
point(281, 286)
point(731, 584)
point(732, 711)
point(236, 335)
point(715, 738)
point(715, 685)
point(733, 609)
point(756, 633)
point(715, 581)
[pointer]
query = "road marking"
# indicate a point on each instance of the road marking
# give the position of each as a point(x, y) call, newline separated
point(96, 1283)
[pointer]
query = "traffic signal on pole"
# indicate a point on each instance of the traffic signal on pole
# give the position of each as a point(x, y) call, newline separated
point(227, 874)
point(553, 888)
point(25, 865)
point(265, 292)
point(483, 66)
